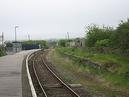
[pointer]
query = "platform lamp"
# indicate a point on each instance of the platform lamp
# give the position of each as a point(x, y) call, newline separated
point(16, 38)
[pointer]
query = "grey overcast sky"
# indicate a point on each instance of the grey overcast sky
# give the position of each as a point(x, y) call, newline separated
point(46, 19)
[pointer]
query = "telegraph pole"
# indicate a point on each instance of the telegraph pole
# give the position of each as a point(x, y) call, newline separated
point(68, 39)
point(68, 35)
point(2, 38)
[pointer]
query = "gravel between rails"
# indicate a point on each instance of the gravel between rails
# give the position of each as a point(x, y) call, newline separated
point(51, 85)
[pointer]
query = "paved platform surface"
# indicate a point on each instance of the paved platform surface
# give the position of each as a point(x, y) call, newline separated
point(10, 74)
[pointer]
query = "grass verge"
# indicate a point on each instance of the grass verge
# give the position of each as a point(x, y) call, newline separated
point(99, 83)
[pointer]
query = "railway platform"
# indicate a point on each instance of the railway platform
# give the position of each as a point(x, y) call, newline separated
point(11, 73)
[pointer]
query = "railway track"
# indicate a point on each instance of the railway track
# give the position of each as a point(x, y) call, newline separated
point(45, 80)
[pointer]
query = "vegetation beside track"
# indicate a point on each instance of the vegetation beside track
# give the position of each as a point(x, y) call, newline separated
point(2, 51)
point(101, 63)
point(112, 84)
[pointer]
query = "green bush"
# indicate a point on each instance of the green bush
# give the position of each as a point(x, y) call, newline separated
point(2, 51)
point(96, 33)
point(102, 43)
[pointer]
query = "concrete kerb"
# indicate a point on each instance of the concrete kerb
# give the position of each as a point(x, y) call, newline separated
point(29, 77)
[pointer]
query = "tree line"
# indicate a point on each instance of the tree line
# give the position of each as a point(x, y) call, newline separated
point(107, 37)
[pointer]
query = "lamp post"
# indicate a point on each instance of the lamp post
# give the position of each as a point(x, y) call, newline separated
point(16, 38)
point(16, 33)
point(28, 36)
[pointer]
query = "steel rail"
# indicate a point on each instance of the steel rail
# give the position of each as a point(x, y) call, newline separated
point(68, 87)
point(29, 76)
point(35, 72)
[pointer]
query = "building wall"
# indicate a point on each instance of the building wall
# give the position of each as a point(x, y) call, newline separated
point(17, 47)
point(80, 42)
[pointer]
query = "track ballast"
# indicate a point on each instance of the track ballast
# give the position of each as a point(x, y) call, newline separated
point(45, 80)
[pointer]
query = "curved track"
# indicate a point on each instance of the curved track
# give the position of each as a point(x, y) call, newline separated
point(46, 82)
